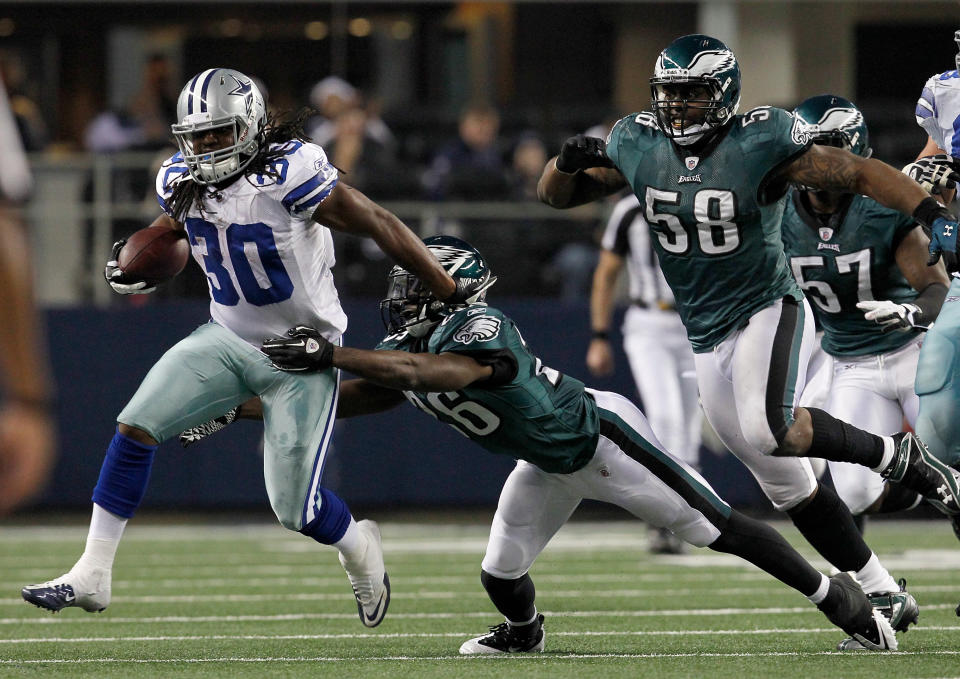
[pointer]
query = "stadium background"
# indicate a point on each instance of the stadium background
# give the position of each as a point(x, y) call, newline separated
point(553, 69)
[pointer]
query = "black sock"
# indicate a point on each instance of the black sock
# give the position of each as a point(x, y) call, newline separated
point(860, 521)
point(762, 546)
point(898, 498)
point(513, 598)
point(836, 440)
point(827, 524)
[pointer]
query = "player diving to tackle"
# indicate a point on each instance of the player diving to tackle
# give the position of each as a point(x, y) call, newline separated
point(468, 366)
point(863, 268)
point(711, 183)
point(257, 202)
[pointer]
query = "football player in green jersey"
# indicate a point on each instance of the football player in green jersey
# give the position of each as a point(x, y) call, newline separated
point(711, 183)
point(468, 366)
point(861, 266)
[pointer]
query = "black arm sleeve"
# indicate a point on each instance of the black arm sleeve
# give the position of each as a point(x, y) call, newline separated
point(503, 362)
point(929, 302)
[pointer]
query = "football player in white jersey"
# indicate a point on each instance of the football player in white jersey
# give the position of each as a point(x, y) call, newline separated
point(257, 202)
point(938, 368)
point(654, 339)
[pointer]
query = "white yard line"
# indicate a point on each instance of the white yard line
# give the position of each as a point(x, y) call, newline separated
point(66, 619)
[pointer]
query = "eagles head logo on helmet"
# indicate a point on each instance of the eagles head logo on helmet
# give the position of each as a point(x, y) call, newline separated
point(221, 115)
point(834, 121)
point(409, 306)
point(695, 88)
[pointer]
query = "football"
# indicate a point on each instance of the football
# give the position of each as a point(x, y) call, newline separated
point(154, 254)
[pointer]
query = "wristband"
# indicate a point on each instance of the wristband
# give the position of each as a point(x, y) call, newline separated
point(929, 210)
point(601, 334)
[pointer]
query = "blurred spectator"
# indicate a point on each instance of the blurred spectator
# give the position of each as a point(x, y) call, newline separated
point(154, 106)
point(26, 426)
point(529, 157)
point(471, 166)
point(365, 161)
point(26, 113)
point(334, 96)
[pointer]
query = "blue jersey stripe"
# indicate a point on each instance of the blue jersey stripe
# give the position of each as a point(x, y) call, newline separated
point(955, 144)
point(304, 189)
point(923, 112)
point(928, 97)
point(315, 199)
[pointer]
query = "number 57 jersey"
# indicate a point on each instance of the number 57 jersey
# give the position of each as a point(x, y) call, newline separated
point(524, 410)
point(714, 214)
point(268, 264)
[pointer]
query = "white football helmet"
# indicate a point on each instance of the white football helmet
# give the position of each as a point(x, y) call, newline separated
point(213, 99)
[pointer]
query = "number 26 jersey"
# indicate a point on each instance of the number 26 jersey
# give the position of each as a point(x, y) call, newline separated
point(525, 409)
point(268, 264)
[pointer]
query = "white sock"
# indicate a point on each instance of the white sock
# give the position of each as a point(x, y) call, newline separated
point(874, 578)
point(106, 529)
point(353, 544)
point(822, 590)
point(888, 450)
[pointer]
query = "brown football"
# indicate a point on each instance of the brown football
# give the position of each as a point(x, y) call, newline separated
point(154, 254)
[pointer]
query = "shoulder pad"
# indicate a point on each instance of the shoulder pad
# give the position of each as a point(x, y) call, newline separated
point(304, 177)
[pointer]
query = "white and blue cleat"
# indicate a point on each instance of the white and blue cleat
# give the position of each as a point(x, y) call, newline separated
point(89, 591)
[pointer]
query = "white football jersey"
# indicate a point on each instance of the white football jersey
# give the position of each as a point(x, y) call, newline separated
point(268, 264)
point(627, 234)
point(938, 111)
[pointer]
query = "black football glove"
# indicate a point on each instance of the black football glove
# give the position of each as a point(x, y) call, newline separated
point(581, 152)
point(303, 350)
point(121, 282)
point(934, 173)
point(466, 288)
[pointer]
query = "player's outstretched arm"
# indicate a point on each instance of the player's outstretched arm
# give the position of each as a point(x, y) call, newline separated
point(349, 210)
point(304, 349)
point(581, 173)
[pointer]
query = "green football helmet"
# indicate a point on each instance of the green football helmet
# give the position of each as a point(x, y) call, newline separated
point(695, 88)
point(409, 304)
point(834, 121)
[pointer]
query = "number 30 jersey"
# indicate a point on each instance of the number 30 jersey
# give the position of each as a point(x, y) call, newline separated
point(524, 410)
point(714, 215)
point(268, 265)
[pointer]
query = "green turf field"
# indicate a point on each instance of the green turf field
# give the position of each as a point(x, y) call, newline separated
point(257, 601)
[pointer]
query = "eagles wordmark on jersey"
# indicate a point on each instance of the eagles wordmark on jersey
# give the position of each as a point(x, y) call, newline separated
point(715, 215)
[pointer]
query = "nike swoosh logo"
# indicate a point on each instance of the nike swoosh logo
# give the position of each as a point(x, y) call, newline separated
point(69, 597)
point(376, 611)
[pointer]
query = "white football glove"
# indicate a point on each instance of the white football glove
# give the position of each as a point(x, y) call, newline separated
point(118, 280)
point(933, 173)
point(890, 315)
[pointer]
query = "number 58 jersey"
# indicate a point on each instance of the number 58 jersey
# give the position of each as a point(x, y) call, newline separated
point(525, 409)
point(268, 264)
point(714, 214)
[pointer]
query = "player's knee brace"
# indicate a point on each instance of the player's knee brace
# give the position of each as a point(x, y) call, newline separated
point(124, 475)
point(333, 518)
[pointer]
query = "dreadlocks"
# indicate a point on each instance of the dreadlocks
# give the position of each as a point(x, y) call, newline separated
point(278, 129)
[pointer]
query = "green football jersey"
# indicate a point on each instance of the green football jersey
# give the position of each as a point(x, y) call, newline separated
point(850, 259)
point(716, 215)
point(525, 410)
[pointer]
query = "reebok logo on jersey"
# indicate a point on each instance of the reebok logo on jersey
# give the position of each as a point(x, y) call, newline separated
point(829, 246)
point(682, 179)
point(479, 329)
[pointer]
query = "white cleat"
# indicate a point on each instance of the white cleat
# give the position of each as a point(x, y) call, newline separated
point(369, 579)
point(88, 589)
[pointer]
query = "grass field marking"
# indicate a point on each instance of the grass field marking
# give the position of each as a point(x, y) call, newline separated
point(474, 593)
point(430, 635)
point(41, 619)
point(506, 657)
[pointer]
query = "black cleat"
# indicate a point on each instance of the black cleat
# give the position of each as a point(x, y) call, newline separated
point(899, 607)
point(847, 607)
point(506, 638)
point(915, 468)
